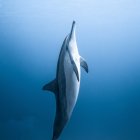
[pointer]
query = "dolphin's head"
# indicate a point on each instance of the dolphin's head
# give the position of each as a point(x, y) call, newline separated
point(72, 33)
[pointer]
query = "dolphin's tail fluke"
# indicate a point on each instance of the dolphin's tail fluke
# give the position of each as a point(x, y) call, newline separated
point(54, 138)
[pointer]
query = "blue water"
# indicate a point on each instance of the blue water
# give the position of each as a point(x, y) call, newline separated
point(108, 37)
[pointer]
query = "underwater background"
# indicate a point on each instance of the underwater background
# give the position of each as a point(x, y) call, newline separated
point(108, 37)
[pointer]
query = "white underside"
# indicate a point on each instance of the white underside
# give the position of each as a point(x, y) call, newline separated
point(72, 84)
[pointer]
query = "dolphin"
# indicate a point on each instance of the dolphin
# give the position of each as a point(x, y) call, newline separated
point(67, 82)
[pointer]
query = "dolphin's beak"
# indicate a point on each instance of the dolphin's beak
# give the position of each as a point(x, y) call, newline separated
point(72, 33)
point(73, 23)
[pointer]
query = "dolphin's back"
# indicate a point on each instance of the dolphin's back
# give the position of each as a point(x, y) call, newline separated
point(61, 116)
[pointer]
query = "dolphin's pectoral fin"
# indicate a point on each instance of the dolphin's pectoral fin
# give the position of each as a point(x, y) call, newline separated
point(83, 64)
point(75, 69)
point(52, 86)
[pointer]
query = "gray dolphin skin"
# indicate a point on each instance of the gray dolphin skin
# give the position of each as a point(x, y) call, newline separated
point(67, 82)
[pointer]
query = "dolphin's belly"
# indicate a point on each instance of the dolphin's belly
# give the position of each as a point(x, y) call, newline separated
point(72, 84)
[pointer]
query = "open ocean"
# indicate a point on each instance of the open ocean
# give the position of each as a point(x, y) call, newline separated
point(108, 37)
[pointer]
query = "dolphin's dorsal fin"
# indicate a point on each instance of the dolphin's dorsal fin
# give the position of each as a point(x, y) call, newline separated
point(83, 64)
point(52, 86)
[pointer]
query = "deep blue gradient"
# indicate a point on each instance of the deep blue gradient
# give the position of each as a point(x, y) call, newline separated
point(108, 37)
